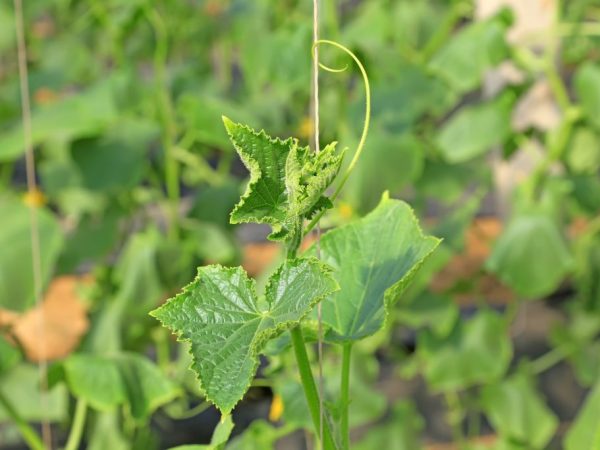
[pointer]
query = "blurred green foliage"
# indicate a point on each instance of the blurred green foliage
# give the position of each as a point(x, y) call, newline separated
point(138, 180)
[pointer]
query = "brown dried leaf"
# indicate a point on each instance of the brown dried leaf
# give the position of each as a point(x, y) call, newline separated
point(479, 238)
point(54, 329)
point(259, 256)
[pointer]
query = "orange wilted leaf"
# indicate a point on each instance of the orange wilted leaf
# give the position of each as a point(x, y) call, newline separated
point(53, 329)
point(213, 8)
point(258, 256)
point(44, 96)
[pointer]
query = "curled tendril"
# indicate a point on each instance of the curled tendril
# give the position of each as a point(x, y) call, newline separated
point(332, 69)
point(367, 121)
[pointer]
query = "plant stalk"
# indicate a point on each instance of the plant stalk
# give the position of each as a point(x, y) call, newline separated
point(549, 359)
point(455, 416)
point(29, 435)
point(167, 117)
point(77, 426)
point(345, 395)
point(310, 389)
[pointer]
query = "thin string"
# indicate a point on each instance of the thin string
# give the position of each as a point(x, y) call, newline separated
point(367, 121)
point(33, 217)
point(317, 145)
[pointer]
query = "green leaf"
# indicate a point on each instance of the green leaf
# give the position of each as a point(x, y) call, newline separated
point(82, 114)
point(587, 88)
point(374, 260)
point(9, 355)
point(576, 338)
point(146, 387)
point(475, 49)
point(260, 435)
point(583, 155)
point(474, 130)
point(287, 182)
point(96, 379)
point(437, 312)
point(476, 351)
point(228, 324)
point(307, 177)
point(585, 433)
point(219, 438)
point(531, 256)
point(265, 200)
point(21, 386)
point(518, 413)
point(404, 156)
point(400, 432)
point(106, 433)
point(16, 275)
point(211, 242)
point(92, 240)
point(117, 159)
point(127, 378)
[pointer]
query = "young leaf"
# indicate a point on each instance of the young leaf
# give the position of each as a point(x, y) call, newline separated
point(265, 199)
point(307, 177)
point(584, 432)
point(374, 260)
point(287, 182)
point(228, 324)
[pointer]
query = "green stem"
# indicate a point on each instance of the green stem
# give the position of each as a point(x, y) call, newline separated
point(310, 389)
point(191, 412)
point(455, 415)
point(549, 359)
point(440, 37)
point(556, 84)
point(556, 150)
point(345, 395)
point(167, 118)
point(77, 427)
point(27, 432)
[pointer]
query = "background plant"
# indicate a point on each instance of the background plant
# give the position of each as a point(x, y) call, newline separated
point(154, 80)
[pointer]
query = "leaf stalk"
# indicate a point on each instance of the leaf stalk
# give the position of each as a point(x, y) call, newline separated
point(345, 395)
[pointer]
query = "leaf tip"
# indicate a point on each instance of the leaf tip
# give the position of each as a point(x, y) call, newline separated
point(229, 124)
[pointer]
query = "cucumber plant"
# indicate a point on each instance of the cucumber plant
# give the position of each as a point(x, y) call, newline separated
point(356, 272)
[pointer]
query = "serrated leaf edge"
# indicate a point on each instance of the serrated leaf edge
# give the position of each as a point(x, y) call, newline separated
point(391, 294)
point(253, 168)
point(259, 339)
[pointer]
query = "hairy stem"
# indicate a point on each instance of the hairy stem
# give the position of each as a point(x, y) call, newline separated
point(345, 395)
point(77, 426)
point(310, 388)
point(29, 435)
